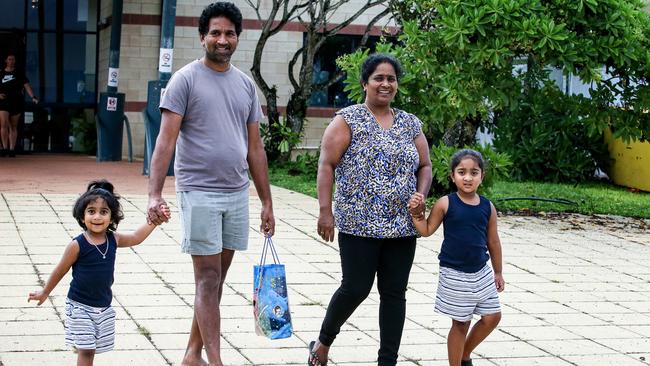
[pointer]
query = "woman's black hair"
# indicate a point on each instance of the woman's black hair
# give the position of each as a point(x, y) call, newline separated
point(99, 189)
point(370, 65)
point(220, 9)
point(467, 154)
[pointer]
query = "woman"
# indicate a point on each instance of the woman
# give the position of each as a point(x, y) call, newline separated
point(11, 104)
point(380, 157)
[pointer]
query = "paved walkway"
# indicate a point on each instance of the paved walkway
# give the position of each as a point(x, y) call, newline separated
point(575, 295)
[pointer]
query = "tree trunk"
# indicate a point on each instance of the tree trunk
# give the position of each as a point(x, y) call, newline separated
point(296, 112)
point(462, 133)
point(272, 138)
point(299, 99)
point(272, 143)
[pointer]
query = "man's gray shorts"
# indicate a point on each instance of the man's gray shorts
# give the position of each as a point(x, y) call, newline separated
point(213, 221)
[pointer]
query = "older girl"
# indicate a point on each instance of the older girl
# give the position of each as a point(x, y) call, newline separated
point(466, 285)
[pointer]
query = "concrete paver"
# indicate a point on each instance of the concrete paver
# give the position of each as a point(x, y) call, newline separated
point(575, 295)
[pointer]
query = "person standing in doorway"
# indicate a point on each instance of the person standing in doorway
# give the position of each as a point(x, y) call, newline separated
point(12, 83)
point(210, 114)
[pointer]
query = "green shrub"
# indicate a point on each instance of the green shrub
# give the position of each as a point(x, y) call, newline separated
point(278, 137)
point(305, 165)
point(497, 168)
point(83, 128)
point(548, 138)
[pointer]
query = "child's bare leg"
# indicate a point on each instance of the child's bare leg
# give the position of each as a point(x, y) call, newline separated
point(479, 332)
point(85, 357)
point(456, 341)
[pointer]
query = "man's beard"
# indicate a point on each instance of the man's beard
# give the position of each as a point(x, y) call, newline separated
point(218, 57)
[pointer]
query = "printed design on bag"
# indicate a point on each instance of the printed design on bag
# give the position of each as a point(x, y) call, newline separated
point(278, 311)
point(271, 301)
point(270, 297)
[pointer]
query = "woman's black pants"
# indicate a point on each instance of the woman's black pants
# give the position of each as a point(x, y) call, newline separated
point(361, 258)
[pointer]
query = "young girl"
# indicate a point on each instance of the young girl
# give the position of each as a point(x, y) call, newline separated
point(466, 284)
point(90, 319)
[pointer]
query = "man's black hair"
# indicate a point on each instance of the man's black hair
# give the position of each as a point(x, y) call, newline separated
point(220, 9)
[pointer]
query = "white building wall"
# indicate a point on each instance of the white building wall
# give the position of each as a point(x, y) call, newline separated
point(140, 48)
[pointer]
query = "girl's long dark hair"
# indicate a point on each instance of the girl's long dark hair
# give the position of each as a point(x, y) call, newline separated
point(99, 189)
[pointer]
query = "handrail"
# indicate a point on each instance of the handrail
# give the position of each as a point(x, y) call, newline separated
point(128, 134)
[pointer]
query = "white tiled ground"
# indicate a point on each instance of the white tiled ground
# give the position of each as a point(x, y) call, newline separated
point(574, 296)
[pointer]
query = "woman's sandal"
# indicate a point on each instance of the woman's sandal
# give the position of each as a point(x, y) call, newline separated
point(313, 356)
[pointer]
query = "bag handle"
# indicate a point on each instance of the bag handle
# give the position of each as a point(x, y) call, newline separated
point(268, 243)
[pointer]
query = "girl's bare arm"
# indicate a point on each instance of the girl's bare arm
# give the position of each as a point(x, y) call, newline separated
point(141, 233)
point(494, 247)
point(136, 237)
point(67, 260)
point(428, 227)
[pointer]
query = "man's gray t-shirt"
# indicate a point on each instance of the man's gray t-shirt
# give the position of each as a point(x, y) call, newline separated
point(212, 145)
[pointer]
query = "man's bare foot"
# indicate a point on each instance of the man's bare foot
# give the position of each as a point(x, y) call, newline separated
point(193, 361)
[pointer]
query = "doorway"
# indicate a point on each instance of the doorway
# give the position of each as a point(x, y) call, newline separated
point(13, 42)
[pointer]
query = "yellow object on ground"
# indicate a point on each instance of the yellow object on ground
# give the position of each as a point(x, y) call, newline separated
point(631, 166)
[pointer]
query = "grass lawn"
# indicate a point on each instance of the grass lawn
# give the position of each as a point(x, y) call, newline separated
point(283, 177)
point(590, 198)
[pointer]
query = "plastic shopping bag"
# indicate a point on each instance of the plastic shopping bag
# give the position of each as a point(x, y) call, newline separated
point(270, 298)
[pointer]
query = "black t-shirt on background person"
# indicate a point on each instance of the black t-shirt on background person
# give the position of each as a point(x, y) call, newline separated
point(11, 85)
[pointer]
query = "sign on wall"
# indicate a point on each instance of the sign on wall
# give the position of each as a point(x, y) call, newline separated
point(113, 76)
point(111, 104)
point(166, 59)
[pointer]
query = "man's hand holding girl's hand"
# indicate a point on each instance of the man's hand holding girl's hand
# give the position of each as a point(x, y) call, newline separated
point(164, 208)
point(158, 211)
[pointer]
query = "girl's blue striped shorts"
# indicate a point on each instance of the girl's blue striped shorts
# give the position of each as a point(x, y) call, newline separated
point(461, 294)
point(88, 327)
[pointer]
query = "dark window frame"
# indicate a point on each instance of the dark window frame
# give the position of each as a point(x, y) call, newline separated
point(335, 96)
point(52, 110)
point(59, 33)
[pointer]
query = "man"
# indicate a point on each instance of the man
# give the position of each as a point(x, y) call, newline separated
point(210, 112)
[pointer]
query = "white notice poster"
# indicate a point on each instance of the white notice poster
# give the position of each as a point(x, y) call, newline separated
point(111, 104)
point(113, 76)
point(166, 59)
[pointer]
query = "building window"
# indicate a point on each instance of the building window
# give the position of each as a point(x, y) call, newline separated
point(48, 10)
point(79, 68)
point(12, 14)
point(55, 43)
point(80, 15)
point(60, 48)
point(325, 68)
